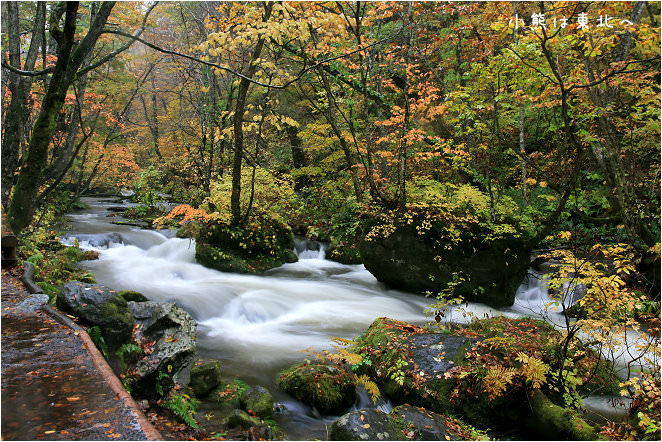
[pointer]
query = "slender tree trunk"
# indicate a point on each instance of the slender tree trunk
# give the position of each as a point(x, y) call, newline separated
point(240, 108)
point(402, 169)
point(17, 113)
point(525, 190)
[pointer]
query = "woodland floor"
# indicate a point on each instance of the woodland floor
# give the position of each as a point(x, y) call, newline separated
point(51, 389)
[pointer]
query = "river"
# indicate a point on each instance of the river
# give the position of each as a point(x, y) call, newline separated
point(258, 325)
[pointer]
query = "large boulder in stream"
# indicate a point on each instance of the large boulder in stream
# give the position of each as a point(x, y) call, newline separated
point(422, 253)
point(167, 334)
point(98, 306)
point(262, 244)
point(443, 372)
point(328, 388)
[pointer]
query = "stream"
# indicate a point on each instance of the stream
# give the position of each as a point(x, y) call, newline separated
point(258, 325)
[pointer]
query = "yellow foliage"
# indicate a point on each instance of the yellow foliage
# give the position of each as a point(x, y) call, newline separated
point(533, 369)
point(497, 379)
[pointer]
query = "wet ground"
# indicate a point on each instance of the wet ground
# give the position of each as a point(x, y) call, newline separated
point(51, 389)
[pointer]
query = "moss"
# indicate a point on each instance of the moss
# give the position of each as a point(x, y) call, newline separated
point(328, 388)
point(258, 401)
point(130, 295)
point(558, 422)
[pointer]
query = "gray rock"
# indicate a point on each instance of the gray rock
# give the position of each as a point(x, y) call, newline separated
point(98, 306)
point(423, 424)
point(365, 425)
point(170, 334)
point(33, 303)
point(403, 423)
point(205, 377)
point(258, 400)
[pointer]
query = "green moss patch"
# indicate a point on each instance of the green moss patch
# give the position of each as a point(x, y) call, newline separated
point(328, 388)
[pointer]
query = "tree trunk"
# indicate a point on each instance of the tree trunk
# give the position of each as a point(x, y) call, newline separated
point(22, 206)
point(525, 190)
point(402, 169)
point(17, 113)
point(240, 108)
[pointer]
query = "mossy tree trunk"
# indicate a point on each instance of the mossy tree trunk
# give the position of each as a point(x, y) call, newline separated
point(23, 202)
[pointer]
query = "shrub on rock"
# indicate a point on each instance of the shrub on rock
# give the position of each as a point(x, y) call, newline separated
point(264, 243)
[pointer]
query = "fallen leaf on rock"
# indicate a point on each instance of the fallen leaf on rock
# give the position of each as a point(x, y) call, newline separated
point(366, 426)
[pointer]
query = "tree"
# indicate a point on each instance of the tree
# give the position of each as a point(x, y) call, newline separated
point(70, 64)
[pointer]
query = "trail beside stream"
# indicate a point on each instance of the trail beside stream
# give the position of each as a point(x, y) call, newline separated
point(51, 387)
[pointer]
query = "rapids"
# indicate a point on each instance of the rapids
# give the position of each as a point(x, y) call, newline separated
point(258, 325)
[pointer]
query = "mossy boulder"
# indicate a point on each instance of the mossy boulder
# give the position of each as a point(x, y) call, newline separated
point(420, 253)
point(330, 389)
point(409, 363)
point(258, 401)
point(432, 370)
point(240, 418)
point(205, 377)
point(263, 244)
point(98, 306)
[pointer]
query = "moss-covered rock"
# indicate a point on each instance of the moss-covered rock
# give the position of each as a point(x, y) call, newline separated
point(205, 377)
point(258, 401)
point(408, 257)
point(365, 425)
point(130, 295)
point(98, 306)
point(263, 244)
point(328, 388)
point(409, 363)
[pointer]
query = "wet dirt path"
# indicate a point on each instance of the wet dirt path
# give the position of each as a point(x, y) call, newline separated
point(51, 388)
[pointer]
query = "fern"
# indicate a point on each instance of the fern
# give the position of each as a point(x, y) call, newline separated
point(184, 407)
point(534, 370)
point(497, 379)
point(97, 338)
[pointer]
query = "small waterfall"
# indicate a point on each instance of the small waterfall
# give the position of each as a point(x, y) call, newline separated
point(308, 249)
point(364, 401)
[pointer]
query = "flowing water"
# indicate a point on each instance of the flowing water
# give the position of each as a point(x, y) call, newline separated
point(258, 325)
